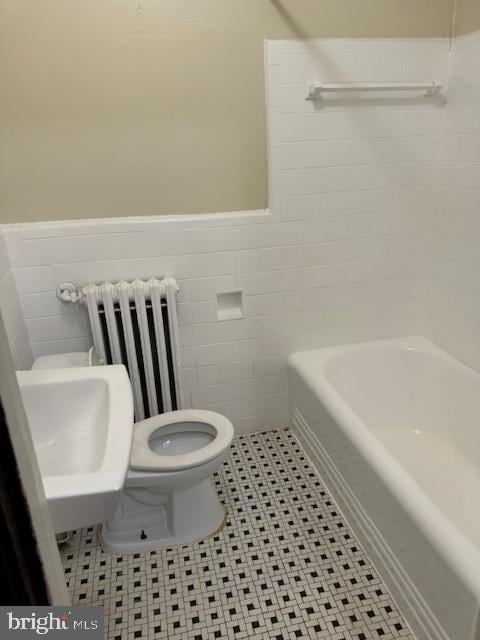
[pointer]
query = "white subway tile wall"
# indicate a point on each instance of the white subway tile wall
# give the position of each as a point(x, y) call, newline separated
point(11, 312)
point(340, 257)
point(453, 300)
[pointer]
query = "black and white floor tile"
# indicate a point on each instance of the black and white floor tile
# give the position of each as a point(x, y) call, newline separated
point(285, 566)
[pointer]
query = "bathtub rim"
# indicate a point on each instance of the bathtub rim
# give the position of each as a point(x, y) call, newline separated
point(458, 551)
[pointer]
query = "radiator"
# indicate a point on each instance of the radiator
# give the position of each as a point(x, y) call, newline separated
point(135, 324)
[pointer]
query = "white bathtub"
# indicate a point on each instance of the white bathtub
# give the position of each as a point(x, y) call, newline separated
point(393, 427)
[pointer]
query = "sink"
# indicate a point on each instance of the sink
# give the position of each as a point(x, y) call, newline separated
point(81, 421)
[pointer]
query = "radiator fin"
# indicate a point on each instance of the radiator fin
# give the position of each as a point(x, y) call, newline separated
point(95, 323)
point(173, 338)
point(111, 320)
point(140, 306)
point(155, 296)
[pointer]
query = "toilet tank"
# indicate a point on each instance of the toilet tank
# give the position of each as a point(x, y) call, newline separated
point(88, 358)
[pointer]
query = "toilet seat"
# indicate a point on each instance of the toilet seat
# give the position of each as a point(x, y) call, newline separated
point(142, 458)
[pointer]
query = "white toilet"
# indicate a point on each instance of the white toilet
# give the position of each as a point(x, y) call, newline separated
point(168, 496)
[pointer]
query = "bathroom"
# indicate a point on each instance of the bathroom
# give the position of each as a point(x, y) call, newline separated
point(240, 316)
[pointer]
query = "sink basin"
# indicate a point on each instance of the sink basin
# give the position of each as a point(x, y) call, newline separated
point(81, 420)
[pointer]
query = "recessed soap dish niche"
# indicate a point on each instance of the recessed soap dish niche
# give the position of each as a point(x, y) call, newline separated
point(229, 305)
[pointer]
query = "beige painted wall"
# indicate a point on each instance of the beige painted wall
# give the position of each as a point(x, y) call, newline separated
point(138, 107)
point(467, 16)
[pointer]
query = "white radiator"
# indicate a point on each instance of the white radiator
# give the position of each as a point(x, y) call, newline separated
point(135, 324)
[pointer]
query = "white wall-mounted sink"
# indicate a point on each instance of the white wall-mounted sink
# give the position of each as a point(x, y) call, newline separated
point(81, 420)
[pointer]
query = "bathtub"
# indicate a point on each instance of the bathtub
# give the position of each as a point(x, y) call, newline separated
point(393, 429)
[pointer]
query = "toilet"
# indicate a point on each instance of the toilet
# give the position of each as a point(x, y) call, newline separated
point(168, 497)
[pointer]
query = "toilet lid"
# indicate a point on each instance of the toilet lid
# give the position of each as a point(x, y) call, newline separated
point(142, 458)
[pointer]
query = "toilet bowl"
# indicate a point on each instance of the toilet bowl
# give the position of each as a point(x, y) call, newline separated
point(168, 496)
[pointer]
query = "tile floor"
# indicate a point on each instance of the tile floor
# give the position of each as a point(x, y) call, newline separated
point(286, 565)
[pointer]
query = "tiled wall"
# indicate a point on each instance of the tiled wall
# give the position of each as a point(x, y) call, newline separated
point(359, 173)
point(12, 312)
point(340, 258)
point(453, 320)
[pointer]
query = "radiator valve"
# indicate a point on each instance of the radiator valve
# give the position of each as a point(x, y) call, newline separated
point(69, 293)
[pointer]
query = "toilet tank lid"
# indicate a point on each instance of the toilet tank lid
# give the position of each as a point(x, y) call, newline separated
point(66, 360)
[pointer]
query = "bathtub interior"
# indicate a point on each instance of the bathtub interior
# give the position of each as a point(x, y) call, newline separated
point(423, 407)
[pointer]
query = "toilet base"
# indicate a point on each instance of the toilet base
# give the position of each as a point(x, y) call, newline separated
point(185, 516)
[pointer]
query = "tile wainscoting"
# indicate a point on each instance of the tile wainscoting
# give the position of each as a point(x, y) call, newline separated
point(453, 299)
point(11, 312)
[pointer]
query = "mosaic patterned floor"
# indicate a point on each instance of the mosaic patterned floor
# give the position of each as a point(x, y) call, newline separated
point(285, 566)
